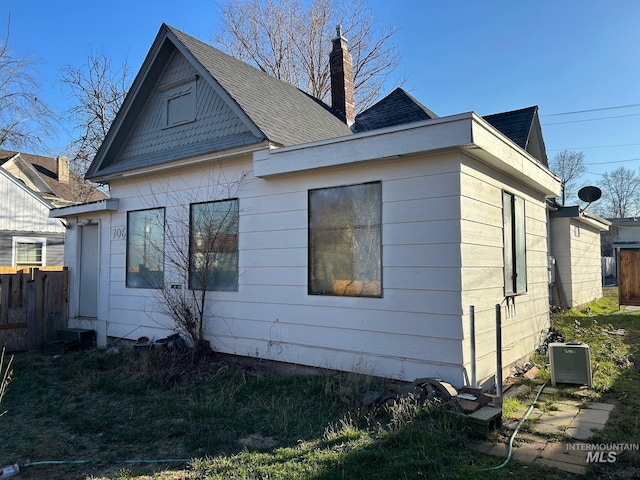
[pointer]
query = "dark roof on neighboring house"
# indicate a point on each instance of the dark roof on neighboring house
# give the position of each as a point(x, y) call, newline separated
point(42, 173)
point(397, 108)
point(523, 128)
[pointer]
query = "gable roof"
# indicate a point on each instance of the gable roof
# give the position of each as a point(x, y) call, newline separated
point(270, 109)
point(42, 174)
point(397, 108)
point(523, 128)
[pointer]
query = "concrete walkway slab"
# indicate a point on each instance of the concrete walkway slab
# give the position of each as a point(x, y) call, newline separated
point(554, 430)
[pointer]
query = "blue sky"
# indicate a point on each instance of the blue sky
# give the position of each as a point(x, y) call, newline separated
point(485, 56)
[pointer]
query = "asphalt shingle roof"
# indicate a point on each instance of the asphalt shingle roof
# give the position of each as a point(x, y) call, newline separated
point(515, 124)
point(397, 108)
point(46, 168)
point(286, 114)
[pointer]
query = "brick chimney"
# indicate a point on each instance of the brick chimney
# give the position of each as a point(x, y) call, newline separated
point(341, 67)
point(63, 169)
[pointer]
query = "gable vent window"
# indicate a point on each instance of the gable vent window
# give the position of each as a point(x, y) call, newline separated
point(179, 106)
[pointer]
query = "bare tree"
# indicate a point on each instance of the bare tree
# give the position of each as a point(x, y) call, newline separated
point(621, 193)
point(98, 90)
point(188, 249)
point(569, 166)
point(291, 40)
point(25, 120)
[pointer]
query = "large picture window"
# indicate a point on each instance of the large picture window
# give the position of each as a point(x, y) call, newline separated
point(515, 258)
point(345, 242)
point(145, 248)
point(213, 253)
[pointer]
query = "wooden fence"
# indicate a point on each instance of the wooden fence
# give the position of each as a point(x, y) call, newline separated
point(33, 306)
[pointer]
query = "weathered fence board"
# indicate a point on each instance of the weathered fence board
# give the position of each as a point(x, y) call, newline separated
point(33, 306)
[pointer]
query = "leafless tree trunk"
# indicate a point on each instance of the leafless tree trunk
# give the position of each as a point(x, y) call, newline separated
point(25, 121)
point(291, 40)
point(569, 166)
point(98, 91)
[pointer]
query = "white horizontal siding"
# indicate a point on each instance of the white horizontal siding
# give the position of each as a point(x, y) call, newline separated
point(22, 212)
point(414, 330)
point(483, 270)
point(576, 248)
point(429, 276)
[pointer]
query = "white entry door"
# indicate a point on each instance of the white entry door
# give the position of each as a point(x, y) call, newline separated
point(88, 306)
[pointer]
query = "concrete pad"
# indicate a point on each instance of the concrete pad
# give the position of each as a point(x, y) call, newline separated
point(579, 433)
point(547, 428)
point(528, 452)
point(601, 406)
point(558, 418)
point(566, 467)
point(496, 450)
point(559, 453)
point(593, 416)
point(549, 390)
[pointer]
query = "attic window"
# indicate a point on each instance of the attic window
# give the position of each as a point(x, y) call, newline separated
point(179, 105)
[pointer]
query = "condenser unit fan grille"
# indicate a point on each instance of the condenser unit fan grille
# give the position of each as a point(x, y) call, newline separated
point(570, 363)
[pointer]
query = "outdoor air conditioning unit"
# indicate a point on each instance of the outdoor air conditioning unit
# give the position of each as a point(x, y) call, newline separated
point(570, 363)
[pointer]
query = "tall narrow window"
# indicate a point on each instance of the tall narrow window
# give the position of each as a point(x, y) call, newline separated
point(345, 241)
point(213, 239)
point(145, 248)
point(515, 258)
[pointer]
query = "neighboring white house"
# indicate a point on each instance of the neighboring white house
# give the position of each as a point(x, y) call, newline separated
point(360, 249)
point(576, 258)
point(30, 186)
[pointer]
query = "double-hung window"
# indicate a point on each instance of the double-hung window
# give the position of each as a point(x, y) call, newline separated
point(145, 248)
point(345, 241)
point(28, 252)
point(213, 245)
point(515, 258)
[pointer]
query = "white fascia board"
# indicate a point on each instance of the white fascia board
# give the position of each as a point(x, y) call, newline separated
point(467, 132)
point(110, 204)
point(595, 221)
point(426, 136)
point(177, 164)
point(496, 149)
point(18, 183)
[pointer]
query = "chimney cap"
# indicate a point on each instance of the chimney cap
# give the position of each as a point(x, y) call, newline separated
point(339, 32)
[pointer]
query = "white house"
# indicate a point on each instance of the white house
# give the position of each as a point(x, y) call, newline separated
point(355, 243)
point(576, 258)
point(30, 186)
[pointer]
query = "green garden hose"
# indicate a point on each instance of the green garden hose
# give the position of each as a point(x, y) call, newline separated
point(515, 432)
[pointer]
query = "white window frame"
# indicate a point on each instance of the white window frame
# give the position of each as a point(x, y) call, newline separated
point(36, 240)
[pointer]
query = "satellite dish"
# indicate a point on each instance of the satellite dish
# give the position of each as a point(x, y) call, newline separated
point(589, 194)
